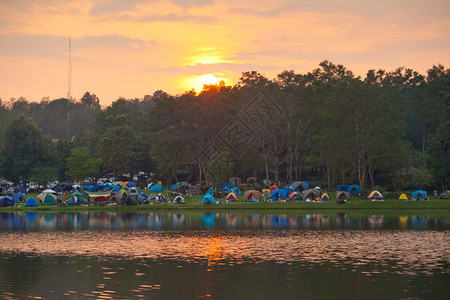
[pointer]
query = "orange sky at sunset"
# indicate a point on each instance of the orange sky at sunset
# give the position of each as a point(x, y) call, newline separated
point(133, 48)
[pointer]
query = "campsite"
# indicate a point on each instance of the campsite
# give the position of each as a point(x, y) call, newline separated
point(225, 196)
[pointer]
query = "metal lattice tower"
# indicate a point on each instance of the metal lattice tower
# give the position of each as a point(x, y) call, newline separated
point(69, 90)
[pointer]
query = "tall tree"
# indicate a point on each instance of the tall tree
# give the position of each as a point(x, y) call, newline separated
point(81, 164)
point(24, 148)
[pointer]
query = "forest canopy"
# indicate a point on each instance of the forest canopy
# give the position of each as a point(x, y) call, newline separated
point(328, 125)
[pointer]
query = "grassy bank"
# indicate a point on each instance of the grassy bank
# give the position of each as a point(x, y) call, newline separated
point(194, 204)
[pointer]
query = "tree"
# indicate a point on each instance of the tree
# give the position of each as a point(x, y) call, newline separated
point(81, 164)
point(90, 100)
point(24, 149)
point(117, 148)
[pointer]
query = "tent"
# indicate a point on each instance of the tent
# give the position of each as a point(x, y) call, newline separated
point(31, 202)
point(47, 198)
point(232, 197)
point(252, 195)
point(130, 184)
point(279, 194)
point(226, 190)
point(403, 197)
point(100, 196)
point(325, 197)
point(445, 195)
point(156, 188)
point(229, 185)
point(300, 186)
point(20, 189)
point(273, 188)
point(343, 187)
point(76, 197)
point(419, 195)
point(179, 200)
point(288, 190)
point(49, 191)
point(121, 184)
point(342, 197)
point(208, 199)
point(354, 189)
point(142, 196)
point(236, 191)
point(133, 191)
point(375, 195)
point(6, 201)
point(313, 194)
point(19, 197)
point(173, 186)
point(210, 190)
point(294, 196)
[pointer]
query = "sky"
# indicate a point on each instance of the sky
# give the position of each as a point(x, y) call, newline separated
point(132, 48)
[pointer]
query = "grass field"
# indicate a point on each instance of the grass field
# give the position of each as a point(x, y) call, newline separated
point(193, 203)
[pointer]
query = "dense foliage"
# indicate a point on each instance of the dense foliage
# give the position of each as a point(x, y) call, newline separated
point(389, 128)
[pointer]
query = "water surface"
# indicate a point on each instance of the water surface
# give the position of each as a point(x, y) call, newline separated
point(223, 255)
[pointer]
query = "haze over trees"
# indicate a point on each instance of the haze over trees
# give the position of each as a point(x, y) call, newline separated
point(328, 126)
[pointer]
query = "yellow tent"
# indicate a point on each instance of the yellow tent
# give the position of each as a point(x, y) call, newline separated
point(232, 197)
point(403, 197)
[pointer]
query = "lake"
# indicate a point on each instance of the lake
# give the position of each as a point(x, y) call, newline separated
point(225, 255)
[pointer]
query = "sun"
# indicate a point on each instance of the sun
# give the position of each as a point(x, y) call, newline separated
point(209, 79)
point(197, 82)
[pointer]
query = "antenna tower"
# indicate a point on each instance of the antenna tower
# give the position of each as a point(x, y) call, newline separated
point(69, 90)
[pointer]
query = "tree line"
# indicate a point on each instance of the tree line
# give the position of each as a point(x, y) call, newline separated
point(328, 125)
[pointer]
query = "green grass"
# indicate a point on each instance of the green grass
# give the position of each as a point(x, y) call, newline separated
point(193, 203)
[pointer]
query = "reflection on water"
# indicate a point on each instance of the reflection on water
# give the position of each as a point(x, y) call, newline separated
point(224, 220)
point(222, 256)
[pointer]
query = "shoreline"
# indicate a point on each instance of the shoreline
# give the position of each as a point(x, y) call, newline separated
point(439, 204)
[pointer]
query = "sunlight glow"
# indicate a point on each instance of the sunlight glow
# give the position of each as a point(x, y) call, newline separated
point(197, 82)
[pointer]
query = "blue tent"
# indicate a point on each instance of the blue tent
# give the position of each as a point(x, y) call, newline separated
point(19, 197)
point(343, 188)
point(354, 189)
point(419, 194)
point(31, 202)
point(20, 189)
point(288, 190)
point(142, 196)
point(226, 190)
point(236, 191)
point(114, 187)
point(210, 190)
point(208, 199)
point(229, 185)
point(6, 201)
point(131, 184)
point(174, 185)
point(277, 194)
point(156, 188)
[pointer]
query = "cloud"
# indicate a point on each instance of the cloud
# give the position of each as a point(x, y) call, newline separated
point(114, 7)
point(171, 17)
point(50, 46)
point(201, 69)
